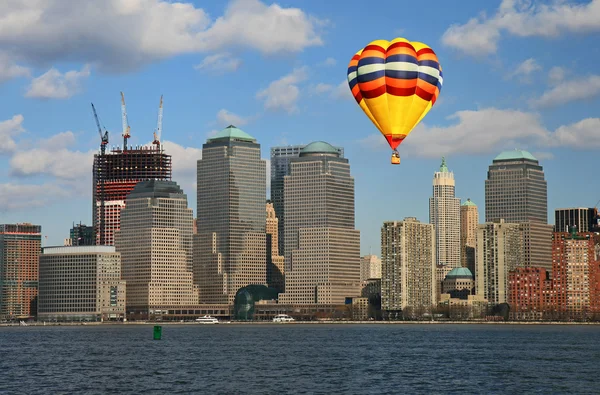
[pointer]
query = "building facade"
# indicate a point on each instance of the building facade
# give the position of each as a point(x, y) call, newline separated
point(82, 235)
point(20, 248)
point(231, 244)
point(515, 189)
point(275, 267)
point(499, 250)
point(585, 219)
point(155, 243)
point(81, 283)
point(280, 161)
point(408, 274)
point(370, 267)
point(444, 214)
point(459, 283)
point(469, 220)
point(322, 247)
point(530, 292)
point(115, 174)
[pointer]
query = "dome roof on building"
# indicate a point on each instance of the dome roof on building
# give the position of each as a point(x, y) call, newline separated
point(319, 147)
point(459, 272)
point(516, 154)
point(232, 133)
point(469, 203)
point(443, 167)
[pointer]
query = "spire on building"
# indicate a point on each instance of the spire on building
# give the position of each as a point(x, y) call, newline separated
point(443, 167)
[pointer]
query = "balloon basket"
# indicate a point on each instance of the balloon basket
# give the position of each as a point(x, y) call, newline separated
point(395, 158)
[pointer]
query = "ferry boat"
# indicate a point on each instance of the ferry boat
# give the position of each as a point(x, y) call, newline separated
point(283, 318)
point(207, 319)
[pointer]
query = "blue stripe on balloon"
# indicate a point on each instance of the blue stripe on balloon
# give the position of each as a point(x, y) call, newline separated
point(426, 77)
point(401, 58)
point(370, 60)
point(371, 76)
point(430, 63)
point(401, 74)
point(352, 83)
point(351, 69)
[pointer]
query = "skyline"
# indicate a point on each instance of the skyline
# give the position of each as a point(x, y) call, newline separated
point(494, 98)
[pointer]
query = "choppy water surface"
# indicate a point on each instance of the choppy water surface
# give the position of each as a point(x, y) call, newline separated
point(299, 358)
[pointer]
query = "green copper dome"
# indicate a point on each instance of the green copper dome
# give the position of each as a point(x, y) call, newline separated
point(515, 154)
point(319, 147)
point(232, 133)
point(469, 203)
point(459, 272)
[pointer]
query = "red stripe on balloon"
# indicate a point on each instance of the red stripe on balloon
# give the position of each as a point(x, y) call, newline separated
point(392, 90)
point(423, 94)
point(373, 93)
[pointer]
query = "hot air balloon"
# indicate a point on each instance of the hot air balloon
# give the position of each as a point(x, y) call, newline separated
point(395, 83)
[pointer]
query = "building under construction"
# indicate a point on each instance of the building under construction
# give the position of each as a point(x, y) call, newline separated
point(115, 174)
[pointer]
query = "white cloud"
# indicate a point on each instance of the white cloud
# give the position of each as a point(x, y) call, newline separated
point(10, 70)
point(61, 163)
point(321, 88)
point(556, 75)
point(522, 18)
point(219, 63)
point(184, 164)
point(283, 94)
point(29, 195)
point(8, 130)
point(342, 91)
point(584, 134)
point(330, 62)
point(524, 70)
point(491, 130)
point(55, 85)
point(121, 35)
point(226, 118)
point(568, 91)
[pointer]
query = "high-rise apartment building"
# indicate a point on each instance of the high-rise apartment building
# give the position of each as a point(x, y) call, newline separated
point(275, 268)
point(585, 219)
point(370, 267)
point(231, 244)
point(81, 283)
point(280, 160)
point(408, 269)
point(20, 248)
point(469, 220)
point(499, 250)
point(575, 274)
point(322, 247)
point(155, 243)
point(115, 174)
point(516, 191)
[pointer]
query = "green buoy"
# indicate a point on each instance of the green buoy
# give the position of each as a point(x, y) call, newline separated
point(157, 332)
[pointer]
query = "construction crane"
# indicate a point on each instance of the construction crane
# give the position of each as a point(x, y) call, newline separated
point(103, 137)
point(126, 128)
point(158, 130)
point(100, 165)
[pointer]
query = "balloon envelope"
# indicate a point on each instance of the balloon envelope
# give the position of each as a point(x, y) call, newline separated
point(395, 83)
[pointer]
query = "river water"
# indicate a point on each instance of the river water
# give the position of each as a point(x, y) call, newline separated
point(297, 358)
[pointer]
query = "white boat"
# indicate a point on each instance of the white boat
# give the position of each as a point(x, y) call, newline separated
point(207, 319)
point(283, 318)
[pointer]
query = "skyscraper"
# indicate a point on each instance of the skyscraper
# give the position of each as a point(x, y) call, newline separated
point(408, 270)
point(20, 248)
point(115, 174)
point(155, 242)
point(444, 215)
point(275, 270)
point(82, 235)
point(231, 244)
point(516, 191)
point(499, 250)
point(469, 219)
point(280, 160)
point(322, 248)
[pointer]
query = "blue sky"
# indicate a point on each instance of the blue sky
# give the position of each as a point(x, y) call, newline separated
point(517, 74)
